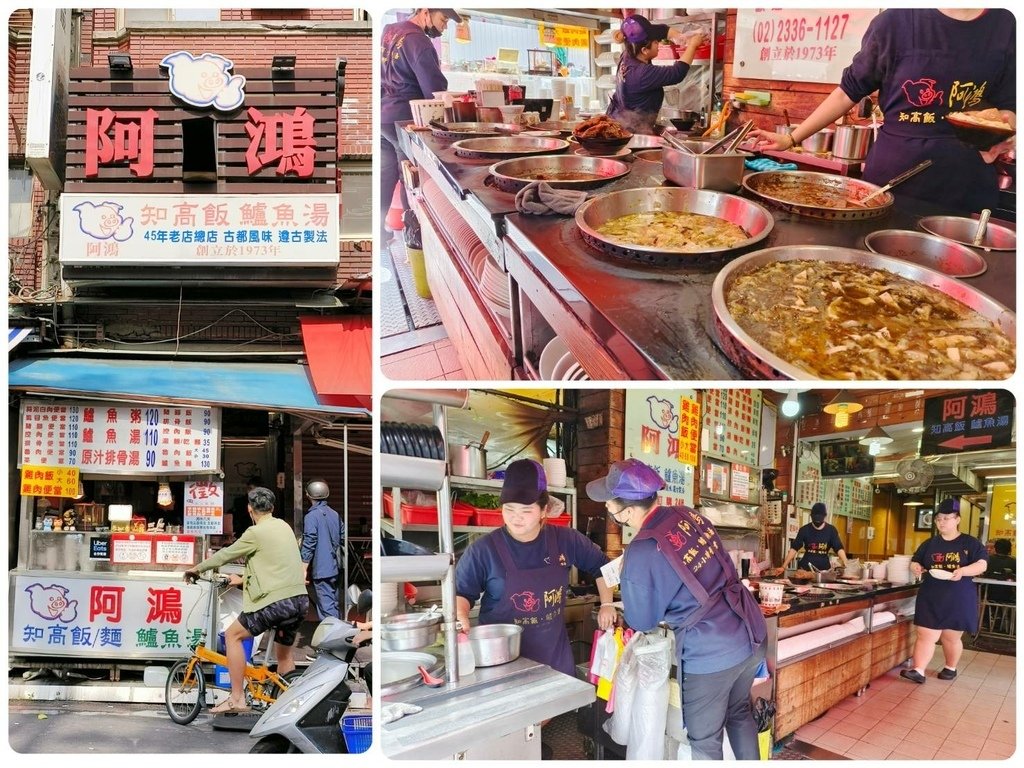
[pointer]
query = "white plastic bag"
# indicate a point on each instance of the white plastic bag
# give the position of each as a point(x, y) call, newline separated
point(650, 704)
point(624, 691)
point(604, 654)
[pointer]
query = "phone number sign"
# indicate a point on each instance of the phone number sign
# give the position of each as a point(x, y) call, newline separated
point(103, 438)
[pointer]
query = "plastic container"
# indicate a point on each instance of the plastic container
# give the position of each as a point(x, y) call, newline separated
point(357, 730)
point(467, 661)
point(563, 520)
point(221, 678)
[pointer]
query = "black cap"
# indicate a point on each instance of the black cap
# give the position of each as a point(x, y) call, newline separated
point(524, 482)
point(949, 507)
point(819, 512)
point(449, 14)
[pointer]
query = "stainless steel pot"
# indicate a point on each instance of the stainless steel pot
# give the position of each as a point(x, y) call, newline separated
point(468, 461)
point(408, 631)
point(721, 172)
point(819, 142)
point(495, 644)
point(852, 142)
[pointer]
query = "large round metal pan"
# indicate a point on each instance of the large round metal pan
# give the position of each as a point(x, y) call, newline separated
point(962, 229)
point(399, 670)
point(456, 131)
point(757, 362)
point(508, 146)
point(772, 187)
point(562, 126)
point(513, 175)
point(752, 218)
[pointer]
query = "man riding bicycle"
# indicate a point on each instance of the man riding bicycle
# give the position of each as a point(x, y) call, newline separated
point(273, 591)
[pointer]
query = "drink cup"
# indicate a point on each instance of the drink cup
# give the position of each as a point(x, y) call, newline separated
point(771, 593)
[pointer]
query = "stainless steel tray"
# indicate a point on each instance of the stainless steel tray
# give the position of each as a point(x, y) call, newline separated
point(757, 362)
point(456, 131)
point(839, 188)
point(509, 146)
point(564, 126)
point(752, 217)
point(513, 175)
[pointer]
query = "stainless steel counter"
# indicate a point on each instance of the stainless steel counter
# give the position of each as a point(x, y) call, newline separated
point(502, 705)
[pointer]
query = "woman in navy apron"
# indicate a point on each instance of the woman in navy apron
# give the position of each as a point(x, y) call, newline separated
point(676, 570)
point(520, 572)
point(924, 64)
point(946, 607)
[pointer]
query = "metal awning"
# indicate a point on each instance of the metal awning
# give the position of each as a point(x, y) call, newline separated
point(16, 335)
point(276, 387)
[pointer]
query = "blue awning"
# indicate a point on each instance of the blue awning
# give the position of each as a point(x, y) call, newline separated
point(15, 336)
point(276, 387)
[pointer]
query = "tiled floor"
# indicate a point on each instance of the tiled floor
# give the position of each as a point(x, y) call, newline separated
point(970, 718)
point(434, 361)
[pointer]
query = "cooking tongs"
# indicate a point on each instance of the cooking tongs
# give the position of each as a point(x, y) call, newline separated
point(731, 140)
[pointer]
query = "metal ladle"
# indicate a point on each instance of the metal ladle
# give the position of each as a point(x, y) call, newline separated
point(979, 238)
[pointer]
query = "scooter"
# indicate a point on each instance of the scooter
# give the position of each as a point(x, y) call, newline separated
point(307, 716)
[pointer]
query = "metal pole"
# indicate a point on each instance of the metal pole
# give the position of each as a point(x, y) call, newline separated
point(344, 542)
point(447, 546)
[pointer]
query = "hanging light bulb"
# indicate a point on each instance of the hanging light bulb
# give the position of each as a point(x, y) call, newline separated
point(874, 449)
point(791, 405)
point(841, 407)
point(875, 439)
point(164, 498)
point(842, 420)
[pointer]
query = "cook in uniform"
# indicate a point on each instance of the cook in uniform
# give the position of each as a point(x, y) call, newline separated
point(520, 571)
point(817, 539)
point(945, 608)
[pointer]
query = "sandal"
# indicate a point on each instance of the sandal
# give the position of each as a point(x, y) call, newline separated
point(228, 707)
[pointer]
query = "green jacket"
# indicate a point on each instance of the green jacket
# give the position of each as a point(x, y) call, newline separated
point(273, 569)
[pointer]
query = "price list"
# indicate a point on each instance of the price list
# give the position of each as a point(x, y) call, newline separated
point(99, 437)
point(732, 423)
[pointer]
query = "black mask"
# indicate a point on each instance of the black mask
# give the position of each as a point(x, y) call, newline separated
point(432, 31)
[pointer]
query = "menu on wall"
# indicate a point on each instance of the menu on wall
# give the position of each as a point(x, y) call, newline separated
point(841, 495)
point(659, 426)
point(204, 507)
point(732, 424)
point(807, 45)
point(103, 438)
point(54, 482)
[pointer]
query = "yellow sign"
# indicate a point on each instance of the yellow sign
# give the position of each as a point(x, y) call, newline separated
point(56, 482)
point(564, 37)
point(689, 431)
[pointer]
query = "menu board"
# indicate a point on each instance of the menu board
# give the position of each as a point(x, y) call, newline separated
point(53, 482)
point(732, 424)
point(204, 507)
point(111, 439)
point(655, 421)
point(841, 495)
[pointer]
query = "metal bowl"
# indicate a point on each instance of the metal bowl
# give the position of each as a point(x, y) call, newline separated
point(509, 146)
point(513, 175)
point(650, 155)
point(819, 142)
point(962, 230)
point(757, 362)
point(928, 250)
point(495, 644)
point(408, 631)
point(752, 217)
point(645, 141)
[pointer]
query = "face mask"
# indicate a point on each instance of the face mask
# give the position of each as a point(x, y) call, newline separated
point(431, 31)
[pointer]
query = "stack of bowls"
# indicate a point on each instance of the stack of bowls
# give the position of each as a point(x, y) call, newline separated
point(554, 471)
point(897, 570)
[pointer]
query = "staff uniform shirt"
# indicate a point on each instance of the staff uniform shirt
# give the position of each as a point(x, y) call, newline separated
point(640, 91)
point(925, 65)
point(273, 570)
point(816, 545)
point(652, 592)
point(321, 536)
point(409, 69)
point(948, 604)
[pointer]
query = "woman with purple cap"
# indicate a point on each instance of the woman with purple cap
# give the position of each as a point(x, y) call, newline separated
point(520, 572)
point(639, 85)
point(947, 602)
point(676, 570)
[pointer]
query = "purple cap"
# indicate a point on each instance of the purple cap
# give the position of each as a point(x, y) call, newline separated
point(949, 507)
point(637, 29)
point(524, 482)
point(629, 479)
point(450, 13)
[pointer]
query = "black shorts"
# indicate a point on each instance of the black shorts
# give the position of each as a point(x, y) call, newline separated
point(284, 617)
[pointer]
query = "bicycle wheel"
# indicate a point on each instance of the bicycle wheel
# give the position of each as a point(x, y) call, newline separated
point(272, 690)
point(184, 692)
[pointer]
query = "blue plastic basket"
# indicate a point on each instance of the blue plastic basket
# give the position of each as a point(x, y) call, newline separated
point(358, 732)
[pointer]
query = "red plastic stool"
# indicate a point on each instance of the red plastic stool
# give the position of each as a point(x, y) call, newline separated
point(393, 220)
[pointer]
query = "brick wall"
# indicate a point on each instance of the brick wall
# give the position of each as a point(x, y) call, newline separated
point(19, 46)
point(597, 448)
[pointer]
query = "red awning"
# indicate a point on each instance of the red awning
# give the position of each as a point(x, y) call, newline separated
point(339, 352)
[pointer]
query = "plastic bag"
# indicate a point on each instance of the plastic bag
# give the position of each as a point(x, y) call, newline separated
point(609, 661)
point(413, 237)
point(685, 751)
point(650, 705)
point(624, 691)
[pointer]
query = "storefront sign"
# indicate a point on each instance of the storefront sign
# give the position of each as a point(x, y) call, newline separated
point(131, 548)
point(204, 81)
point(65, 615)
point(101, 438)
point(732, 424)
point(967, 421)
point(54, 482)
point(654, 424)
point(689, 431)
point(807, 45)
point(199, 230)
point(564, 37)
point(204, 507)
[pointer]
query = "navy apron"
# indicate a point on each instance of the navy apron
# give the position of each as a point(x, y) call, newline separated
point(535, 600)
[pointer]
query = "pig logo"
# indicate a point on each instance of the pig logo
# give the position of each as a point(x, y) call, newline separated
point(676, 540)
point(52, 603)
point(525, 602)
point(204, 81)
point(663, 414)
point(104, 221)
point(922, 93)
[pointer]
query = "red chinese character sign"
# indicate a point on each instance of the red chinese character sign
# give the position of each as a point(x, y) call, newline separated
point(101, 438)
point(967, 421)
point(114, 138)
point(283, 139)
point(655, 429)
point(204, 507)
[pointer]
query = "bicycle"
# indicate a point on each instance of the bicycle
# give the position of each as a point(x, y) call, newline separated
point(185, 688)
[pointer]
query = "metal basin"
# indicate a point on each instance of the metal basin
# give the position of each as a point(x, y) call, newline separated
point(962, 230)
point(495, 644)
point(408, 631)
point(645, 141)
point(820, 142)
point(469, 130)
point(928, 250)
point(750, 216)
point(513, 175)
point(722, 172)
point(399, 670)
point(650, 155)
point(509, 146)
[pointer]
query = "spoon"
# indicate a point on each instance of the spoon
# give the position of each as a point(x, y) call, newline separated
point(893, 182)
point(428, 679)
point(979, 238)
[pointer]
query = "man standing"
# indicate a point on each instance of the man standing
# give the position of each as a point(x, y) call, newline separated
point(817, 539)
point(273, 591)
point(321, 539)
point(409, 69)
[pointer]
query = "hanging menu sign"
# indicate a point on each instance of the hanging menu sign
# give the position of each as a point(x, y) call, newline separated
point(660, 426)
point(967, 421)
point(54, 482)
point(110, 439)
point(204, 507)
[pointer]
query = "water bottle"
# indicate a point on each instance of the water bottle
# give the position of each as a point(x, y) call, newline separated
point(467, 662)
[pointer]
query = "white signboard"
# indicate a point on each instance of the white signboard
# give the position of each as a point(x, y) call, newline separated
point(102, 438)
point(132, 550)
point(204, 507)
point(652, 436)
point(63, 615)
point(46, 134)
point(175, 551)
point(806, 45)
point(205, 230)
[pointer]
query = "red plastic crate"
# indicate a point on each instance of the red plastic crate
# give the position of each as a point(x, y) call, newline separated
point(488, 517)
point(389, 504)
point(412, 515)
point(563, 520)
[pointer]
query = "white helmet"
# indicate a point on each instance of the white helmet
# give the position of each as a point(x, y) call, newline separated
point(317, 489)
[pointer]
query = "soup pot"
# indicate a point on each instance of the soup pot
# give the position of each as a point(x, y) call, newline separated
point(819, 142)
point(852, 142)
point(408, 631)
point(495, 644)
point(469, 460)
